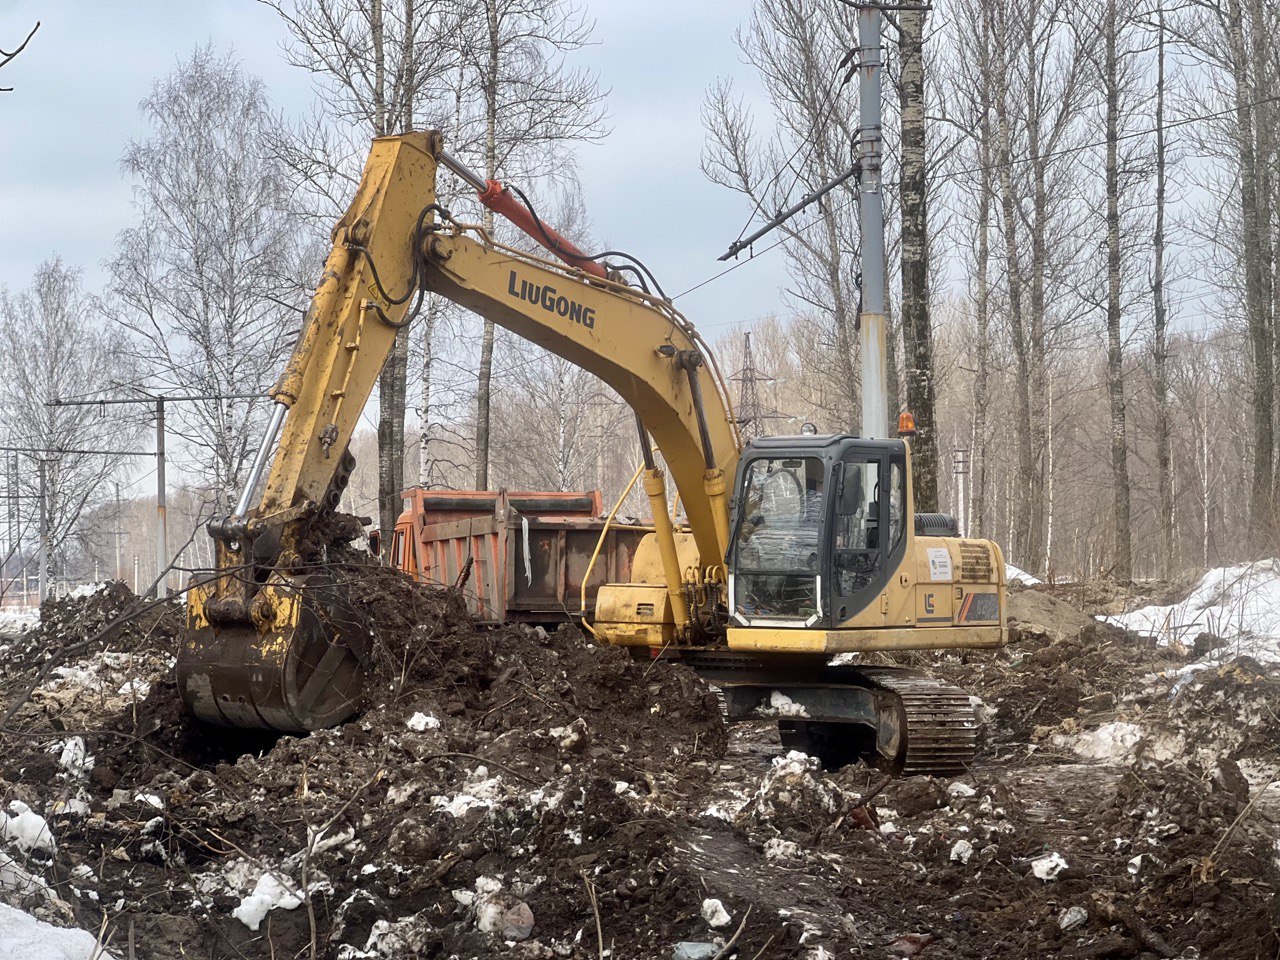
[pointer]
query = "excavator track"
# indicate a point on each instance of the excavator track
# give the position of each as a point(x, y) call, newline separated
point(939, 719)
point(900, 719)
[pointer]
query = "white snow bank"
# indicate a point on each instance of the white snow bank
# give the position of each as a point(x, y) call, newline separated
point(780, 705)
point(1110, 743)
point(1240, 604)
point(87, 590)
point(14, 620)
point(22, 935)
point(1017, 575)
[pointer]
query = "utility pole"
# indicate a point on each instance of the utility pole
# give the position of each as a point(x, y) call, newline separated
point(871, 321)
point(118, 531)
point(162, 515)
point(44, 528)
point(960, 468)
point(162, 518)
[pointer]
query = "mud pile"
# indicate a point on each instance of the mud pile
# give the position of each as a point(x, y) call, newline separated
point(520, 793)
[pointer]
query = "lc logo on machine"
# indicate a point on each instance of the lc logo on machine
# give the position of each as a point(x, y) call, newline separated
point(546, 297)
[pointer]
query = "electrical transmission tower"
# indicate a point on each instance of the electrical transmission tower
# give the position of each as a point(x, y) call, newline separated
point(751, 412)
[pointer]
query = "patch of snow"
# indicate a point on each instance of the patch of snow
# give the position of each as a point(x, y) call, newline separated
point(87, 590)
point(15, 620)
point(268, 894)
point(1110, 743)
point(18, 880)
point(134, 688)
point(958, 789)
point(720, 812)
point(1239, 604)
point(776, 848)
point(1017, 575)
point(481, 794)
point(150, 800)
point(22, 935)
point(794, 764)
point(421, 721)
point(715, 914)
point(26, 828)
point(780, 705)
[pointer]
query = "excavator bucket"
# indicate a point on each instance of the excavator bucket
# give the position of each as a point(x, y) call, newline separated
point(303, 670)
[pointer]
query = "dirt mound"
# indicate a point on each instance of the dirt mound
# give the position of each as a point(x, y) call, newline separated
point(524, 793)
point(1062, 666)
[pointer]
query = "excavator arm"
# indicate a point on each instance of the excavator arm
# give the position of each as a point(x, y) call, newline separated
point(269, 641)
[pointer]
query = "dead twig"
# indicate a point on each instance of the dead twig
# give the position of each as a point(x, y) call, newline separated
point(1209, 862)
point(724, 951)
point(872, 793)
point(595, 909)
point(1146, 936)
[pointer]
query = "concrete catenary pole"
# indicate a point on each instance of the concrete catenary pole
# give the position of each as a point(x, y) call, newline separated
point(872, 335)
point(44, 529)
point(162, 516)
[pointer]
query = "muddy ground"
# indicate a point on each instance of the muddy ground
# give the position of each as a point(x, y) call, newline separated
point(514, 793)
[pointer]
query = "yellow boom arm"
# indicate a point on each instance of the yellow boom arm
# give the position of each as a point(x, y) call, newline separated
point(395, 240)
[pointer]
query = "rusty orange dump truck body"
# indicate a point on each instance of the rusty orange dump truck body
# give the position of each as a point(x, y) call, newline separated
point(521, 555)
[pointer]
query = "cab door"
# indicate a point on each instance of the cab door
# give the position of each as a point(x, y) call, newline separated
point(867, 527)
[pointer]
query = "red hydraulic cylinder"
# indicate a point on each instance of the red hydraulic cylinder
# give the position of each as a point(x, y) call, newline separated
point(499, 199)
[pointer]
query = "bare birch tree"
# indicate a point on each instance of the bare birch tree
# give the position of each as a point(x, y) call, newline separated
point(380, 67)
point(522, 107)
point(796, 47)
point(917, 328)
point(201, 281)
point(1234, 40)
point(54, 345)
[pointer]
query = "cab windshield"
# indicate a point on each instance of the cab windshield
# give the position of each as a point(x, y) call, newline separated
point(777, 544)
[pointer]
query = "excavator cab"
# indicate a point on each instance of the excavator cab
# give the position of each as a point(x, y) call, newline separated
point(818, 528)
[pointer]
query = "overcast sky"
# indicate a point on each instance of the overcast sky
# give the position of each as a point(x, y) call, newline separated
point(75, 106)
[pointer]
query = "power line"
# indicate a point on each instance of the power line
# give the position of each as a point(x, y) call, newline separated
point(944, 177)
point(67, 451)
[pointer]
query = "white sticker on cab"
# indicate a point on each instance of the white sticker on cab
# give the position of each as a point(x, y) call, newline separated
point(939, 564)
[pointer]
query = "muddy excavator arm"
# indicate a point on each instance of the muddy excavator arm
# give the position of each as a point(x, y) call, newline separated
point(268, 642)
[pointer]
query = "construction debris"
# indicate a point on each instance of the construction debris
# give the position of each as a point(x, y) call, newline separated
point(515, 793)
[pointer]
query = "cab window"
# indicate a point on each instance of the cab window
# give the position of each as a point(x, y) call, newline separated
point(778, 543)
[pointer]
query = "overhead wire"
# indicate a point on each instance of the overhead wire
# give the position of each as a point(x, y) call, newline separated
point(849, 68)
point(951, 175)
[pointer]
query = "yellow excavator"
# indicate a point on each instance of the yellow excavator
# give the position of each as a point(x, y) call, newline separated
point(795, 549)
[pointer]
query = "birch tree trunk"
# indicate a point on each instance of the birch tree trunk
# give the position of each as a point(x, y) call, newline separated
point(1123, 569)
point(917, 331)
point(1159, 339)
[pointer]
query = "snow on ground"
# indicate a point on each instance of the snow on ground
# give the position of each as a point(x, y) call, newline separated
point(1017, 575)
point(22, 935)
point(14, 620)
point(88, 589)
point(1239, 604)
